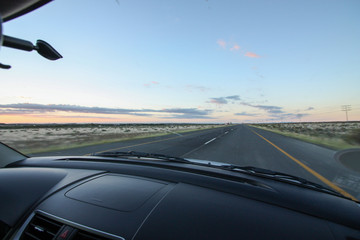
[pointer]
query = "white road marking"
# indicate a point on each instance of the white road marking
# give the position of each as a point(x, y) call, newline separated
point(174, 133)
point(226, 132)
point(210, 141)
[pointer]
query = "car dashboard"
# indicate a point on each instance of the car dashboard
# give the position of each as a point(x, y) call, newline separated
point(94, 198)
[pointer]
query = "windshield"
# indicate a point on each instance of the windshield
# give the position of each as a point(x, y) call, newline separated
point(268, 84)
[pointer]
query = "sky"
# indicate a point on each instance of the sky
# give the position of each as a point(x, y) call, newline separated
point(201, 61)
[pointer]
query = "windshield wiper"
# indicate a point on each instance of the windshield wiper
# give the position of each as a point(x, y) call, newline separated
point(281, 177)
point(260, 172)
point(134, 154)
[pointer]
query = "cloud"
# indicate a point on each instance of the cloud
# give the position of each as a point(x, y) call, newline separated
point(24, 108)
point(257, 72)
point(97, 117)
point(251, 55)
point(246, 114)
point(187, 113)
point(288, 116)
point(221, 43)
point(33, 108)
point(235, 48)
point(152, 83)
point(220, 100)
point(259, 75)
point(234, 97)
point(267, 108)
point(309, 109)
point(300, 115)
point(192, 111)
point(275, 112)
point(186, 116)
point(197, 88)
point(224, 100)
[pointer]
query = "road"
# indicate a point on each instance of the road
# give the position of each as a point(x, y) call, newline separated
point(245, 146)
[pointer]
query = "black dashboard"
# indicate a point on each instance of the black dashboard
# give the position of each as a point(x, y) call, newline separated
point(94, 198)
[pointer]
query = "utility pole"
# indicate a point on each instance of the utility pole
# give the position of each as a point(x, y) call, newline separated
point(346, 109)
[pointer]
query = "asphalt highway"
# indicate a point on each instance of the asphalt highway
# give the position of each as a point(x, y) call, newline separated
point(245, 146)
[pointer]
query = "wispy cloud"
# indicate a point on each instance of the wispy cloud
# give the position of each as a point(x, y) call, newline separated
point(234, 97)
point(186, 116)
point(246, 114)
point(224, 100)
point(267, 108)
point(25, 108)
point(221, 43)
point(33, 108)
point(276, 112)
point(79, 116)
point(220, 100)
point(251, 55)
point(288, 116)
point(235, 47)
point(191, 88)
point(257, 71)
point(300, 115)
point(192, 111)
point(271, 109)
point(152, 83)
point(309, 109)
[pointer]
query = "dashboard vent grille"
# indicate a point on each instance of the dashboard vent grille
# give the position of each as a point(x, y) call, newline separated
point(82, 235)
point(41, 228)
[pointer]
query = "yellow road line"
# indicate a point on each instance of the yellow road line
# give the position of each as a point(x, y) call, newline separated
point(323, 179)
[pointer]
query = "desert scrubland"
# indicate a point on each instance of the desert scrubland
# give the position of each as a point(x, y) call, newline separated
point(29, 138)
point(335, 135)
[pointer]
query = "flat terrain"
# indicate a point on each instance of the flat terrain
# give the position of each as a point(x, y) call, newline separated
point(245, 146)
point(29, 138)
point(335, 135)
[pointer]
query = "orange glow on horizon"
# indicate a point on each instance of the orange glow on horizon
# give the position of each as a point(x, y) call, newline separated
point(12, 119)
point(72, 117)
point(69, 118)
point(104, 118)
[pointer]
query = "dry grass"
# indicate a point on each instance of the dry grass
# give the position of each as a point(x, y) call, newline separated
point(335, 135)
point(43, 138)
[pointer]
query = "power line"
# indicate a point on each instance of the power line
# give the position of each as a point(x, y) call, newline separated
point(346, 109)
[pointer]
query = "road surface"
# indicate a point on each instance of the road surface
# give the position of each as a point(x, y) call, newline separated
point(245, 146)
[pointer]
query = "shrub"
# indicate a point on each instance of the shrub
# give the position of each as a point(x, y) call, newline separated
point(353, 136)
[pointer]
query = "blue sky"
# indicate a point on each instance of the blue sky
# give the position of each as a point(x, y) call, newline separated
point(185, 61)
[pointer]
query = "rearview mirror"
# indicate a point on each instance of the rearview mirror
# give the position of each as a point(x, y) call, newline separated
point(0, 31)
point(47, 51)
point(3, 66)
point(42, 47)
